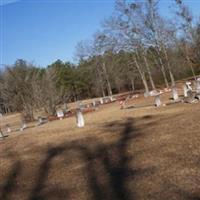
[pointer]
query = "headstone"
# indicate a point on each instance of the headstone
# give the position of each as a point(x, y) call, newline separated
point(23, 126)
point(157, 101)
point(79, 119)
point(101, 100)
point(198, 85)
point(60, 114)
point(112, 98)
point(41, 120)
point(185, 90)
point(8, 129)
point(153, 93)
point(167, 89)
point(106, 100)
point(190, 97)
point(175, 94)
point(135, 96)
point(1, 132)
point(188, 84)
point(122, 104)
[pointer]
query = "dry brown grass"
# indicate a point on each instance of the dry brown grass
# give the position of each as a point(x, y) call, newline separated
point(143, 153)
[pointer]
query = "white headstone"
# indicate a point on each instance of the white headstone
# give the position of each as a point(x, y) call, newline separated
point(40, 120)
point(157, 101)
point(175, 94)
point(60, 114)
point(23, 126)
point(188, 84)
point(101, 100)
point(8, 130)
point(79, 119)
point(198, 85)
point(112, 98)
point(185, 90)
point(153, 93)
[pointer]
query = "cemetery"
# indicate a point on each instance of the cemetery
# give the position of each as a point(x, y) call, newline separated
point(158, 134)
point(99, 100)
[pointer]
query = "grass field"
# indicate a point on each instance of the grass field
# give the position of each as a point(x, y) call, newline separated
point(136, 153)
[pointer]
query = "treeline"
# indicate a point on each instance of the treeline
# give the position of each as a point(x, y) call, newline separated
point(136, 48)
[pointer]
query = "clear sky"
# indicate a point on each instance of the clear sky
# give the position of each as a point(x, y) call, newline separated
point(42, 31)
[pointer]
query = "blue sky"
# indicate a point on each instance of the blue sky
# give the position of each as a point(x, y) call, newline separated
point(41, 31)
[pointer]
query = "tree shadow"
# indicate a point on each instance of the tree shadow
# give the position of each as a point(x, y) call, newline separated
point(10, 185)
point(107, 167)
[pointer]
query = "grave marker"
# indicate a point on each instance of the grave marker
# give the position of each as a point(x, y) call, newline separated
point(198, 85)
point(23, 126)
point(157, 101)
point(41, 120)
point(175, 94)
point(8, 129)
point(60, 114)
point(188, 84)
point(79, 119)
point(101, 100)
point(185, 90)
point(1, 132)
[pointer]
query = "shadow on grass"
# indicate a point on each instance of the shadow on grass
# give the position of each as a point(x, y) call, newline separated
point(107, 167)
point(10, 185)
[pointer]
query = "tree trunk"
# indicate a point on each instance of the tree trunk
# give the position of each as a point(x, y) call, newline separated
point(189, 63)
point(164, 73)
point(132, 84)
point(142, 75)
point(162, 68)
point(169, 68)
point(100, 82)
point(103, 92)
point(149, 72)
point(107, 80)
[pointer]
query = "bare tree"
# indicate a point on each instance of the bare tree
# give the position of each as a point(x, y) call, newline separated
point(185, 24)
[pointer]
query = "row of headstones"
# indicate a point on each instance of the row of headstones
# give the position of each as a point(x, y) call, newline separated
point(60, 114)
point(96, 103)
point(125, 101)
point(79, 115)
point(189, 93)
point(43, 120)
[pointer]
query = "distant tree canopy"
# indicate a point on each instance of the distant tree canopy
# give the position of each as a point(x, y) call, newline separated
point(136, 49)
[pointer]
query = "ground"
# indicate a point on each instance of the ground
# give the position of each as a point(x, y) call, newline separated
point(135, 153)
